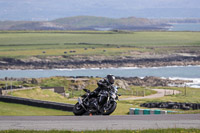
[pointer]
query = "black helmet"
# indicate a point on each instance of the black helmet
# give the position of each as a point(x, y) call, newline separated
point(111, 79)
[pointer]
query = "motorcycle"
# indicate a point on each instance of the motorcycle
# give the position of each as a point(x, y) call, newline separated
point(87, 105)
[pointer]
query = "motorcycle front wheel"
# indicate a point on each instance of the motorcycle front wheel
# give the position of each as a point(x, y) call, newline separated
point(78, 109)
point(110, 109)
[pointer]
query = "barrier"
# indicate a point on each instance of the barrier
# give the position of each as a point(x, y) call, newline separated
point(37, 103)
point(137, 111)
point(172, 105)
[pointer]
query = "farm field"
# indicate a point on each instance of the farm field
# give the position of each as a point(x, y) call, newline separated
point(18, 44)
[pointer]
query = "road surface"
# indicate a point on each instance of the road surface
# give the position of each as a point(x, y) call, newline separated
point(100, 122)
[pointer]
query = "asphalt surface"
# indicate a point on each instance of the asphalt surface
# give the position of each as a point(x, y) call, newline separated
point(100, 122)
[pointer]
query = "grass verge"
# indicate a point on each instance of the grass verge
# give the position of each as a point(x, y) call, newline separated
point(11, 109)
point(190, 95)
point(39, 94)
point(187, 95)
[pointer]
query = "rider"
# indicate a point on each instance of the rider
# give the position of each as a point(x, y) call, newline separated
point(103, 87)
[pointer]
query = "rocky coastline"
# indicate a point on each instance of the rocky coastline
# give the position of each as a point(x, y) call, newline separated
point(12, 63)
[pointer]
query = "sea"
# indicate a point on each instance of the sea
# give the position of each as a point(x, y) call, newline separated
point(185, 27)
point(170, 72)
point(174, 27)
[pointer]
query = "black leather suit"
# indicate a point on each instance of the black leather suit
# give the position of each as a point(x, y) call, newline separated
point(103, 85)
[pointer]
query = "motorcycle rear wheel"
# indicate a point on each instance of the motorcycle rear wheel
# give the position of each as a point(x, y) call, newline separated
point(78, 109)
point(111, 109)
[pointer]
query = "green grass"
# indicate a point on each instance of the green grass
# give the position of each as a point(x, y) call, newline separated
point(15, 83)
point(23, 45)
point(133, 39)
point(70, 86)
point(176, 130)
point(39, 94)
point(11, 109)
point(192, 96)
point(91, 84)
point(136, 91)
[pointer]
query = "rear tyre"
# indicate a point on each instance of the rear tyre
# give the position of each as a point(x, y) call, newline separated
point(78, 109)
point(110, 109)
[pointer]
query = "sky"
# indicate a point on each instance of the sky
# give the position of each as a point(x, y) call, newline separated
point(52, 9)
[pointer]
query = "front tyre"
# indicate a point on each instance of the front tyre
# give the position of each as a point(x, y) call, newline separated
point(78, 109)
point(110, 109)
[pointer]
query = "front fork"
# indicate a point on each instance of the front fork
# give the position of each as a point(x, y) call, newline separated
point(80, 101)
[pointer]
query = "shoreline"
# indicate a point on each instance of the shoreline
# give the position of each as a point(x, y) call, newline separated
point(128, 66)
point(98, 68)
point(126, 62)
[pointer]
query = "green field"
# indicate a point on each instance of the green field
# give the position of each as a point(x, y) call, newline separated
point(39, 94)
point(11, 109)
point(192, 96)
point(70, 87)
point(132, 38)
point(55, 43)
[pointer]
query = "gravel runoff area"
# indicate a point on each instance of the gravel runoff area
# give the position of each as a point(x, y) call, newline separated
point(100, 122)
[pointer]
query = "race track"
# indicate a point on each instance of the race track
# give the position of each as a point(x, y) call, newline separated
point(100, 122)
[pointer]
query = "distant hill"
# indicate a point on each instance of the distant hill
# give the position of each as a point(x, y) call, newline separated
point(92, 23)
point(85, 23)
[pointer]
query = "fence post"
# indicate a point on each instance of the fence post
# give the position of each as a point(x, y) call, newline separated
point(6, 85)
point(185, 91)
point(11, 86)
